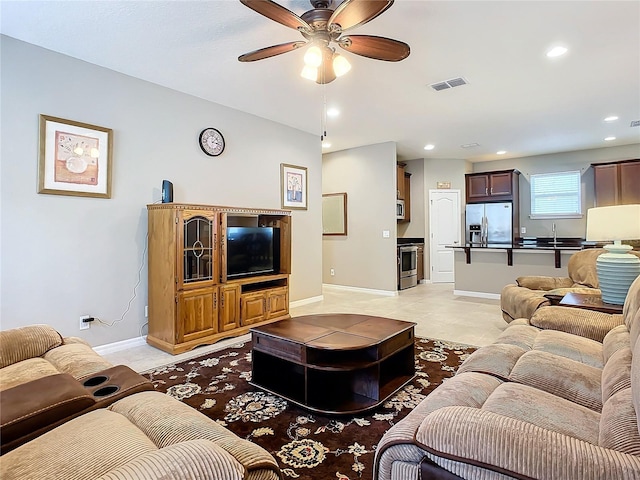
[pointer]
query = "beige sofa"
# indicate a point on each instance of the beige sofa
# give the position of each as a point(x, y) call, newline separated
point(521, 299)
point(68, 413)
point(536, 404)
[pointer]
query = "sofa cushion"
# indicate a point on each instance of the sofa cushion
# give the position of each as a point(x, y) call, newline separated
point(83, 448)
point(545, 410)
point(25, 371)
point(618, 425)
point(191, 460)
point(563, 377)
point(616, 374)
point(570, 346)
point(582, 267)
point(22, 343)
point(166, 421)
point(76, 359)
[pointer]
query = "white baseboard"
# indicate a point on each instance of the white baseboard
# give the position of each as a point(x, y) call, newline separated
point(118, 346)
point(464, 293)
point(346, 288)
point(306, 301)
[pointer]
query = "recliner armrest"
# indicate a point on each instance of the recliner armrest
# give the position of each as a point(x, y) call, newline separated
point(577, 321)
point(537, 282)
point(34, 405)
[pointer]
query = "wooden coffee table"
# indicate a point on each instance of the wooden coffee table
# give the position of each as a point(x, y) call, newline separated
point(334, 363)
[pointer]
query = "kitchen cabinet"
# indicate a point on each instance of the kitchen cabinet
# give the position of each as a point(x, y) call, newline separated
point(407, 198)
point(400, 183)
point(617, 183)
point(498, 186)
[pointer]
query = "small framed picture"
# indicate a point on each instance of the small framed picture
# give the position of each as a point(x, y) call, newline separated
point(75, 158)
point(293, 186)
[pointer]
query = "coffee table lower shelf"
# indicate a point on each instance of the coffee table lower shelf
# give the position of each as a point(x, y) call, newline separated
point(349, 389)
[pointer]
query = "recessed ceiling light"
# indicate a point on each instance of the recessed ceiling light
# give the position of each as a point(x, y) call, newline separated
point(608, 139)
point(429, 147)
point(556, 51)
point(333, 112)
point(326, 144)
point(612, 118)
point(501, 152)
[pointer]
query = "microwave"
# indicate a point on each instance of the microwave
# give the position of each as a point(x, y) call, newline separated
point(400, 209)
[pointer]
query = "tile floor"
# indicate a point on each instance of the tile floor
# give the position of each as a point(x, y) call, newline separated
point(436, 310)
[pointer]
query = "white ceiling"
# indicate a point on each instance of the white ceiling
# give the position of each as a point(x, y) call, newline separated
point(516, 99)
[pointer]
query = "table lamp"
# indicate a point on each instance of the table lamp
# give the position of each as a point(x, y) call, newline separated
point(617, 268)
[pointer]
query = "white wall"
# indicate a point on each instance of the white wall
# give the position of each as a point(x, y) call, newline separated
point(442, 170)
point(65, 256)
point(363, 258)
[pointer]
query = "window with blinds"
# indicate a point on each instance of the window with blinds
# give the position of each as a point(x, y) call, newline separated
point(556, 195)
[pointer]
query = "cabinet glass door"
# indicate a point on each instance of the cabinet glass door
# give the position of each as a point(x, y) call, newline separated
point(198, 249)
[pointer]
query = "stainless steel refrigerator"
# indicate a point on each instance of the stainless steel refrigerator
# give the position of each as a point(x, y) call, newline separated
point(489, 223)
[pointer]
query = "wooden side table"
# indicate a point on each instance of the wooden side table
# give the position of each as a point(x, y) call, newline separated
point(589, 302)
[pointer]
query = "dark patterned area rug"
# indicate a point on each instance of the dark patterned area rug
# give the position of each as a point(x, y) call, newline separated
point(306, 445)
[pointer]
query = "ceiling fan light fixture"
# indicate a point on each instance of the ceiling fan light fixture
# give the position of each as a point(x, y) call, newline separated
point(313, 57)
point(310, 73)
point(340, 65)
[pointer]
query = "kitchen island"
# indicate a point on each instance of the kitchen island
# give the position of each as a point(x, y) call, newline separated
point(483, 270)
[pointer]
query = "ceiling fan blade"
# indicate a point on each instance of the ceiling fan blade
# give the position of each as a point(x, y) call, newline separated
point(270, 51)
point(353, 13)
point(277, 13)
point(378, 48)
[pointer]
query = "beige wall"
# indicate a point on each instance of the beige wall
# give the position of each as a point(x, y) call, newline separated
point(65, 256)
point(488, 271)
point(363, 258)
point(558, 162)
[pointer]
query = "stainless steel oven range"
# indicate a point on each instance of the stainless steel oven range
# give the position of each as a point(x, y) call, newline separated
point(407, 266)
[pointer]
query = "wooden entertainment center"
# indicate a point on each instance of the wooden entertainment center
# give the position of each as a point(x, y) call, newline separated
point(192, 301)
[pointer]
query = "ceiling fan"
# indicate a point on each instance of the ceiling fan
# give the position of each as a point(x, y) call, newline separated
point(323, 26)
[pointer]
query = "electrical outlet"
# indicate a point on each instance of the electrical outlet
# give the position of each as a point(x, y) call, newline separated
point(333, 272)
point(146, 311)
point(84, 325)
point(386, 234)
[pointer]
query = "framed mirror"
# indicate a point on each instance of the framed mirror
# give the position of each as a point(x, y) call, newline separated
point(334, 214)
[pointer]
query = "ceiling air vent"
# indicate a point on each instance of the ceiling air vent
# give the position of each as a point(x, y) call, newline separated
point(635, 123)
point(470, 145)
point(440, 86)
point(454, 82)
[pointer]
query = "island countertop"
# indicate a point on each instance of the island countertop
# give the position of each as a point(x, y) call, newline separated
point(541, 244)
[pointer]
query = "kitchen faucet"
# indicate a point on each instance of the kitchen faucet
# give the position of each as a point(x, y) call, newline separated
point(553, 228)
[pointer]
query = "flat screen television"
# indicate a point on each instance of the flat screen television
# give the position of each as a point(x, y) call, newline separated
point(252, 251)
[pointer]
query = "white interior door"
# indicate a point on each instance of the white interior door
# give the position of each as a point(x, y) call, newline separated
point(444, 226)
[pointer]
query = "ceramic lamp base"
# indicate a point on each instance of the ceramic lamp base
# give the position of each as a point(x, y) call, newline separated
point(617, 269)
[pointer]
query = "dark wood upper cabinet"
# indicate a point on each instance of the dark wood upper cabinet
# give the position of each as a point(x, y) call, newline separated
point(500, 186)
point(630, 183)
point(617, 183)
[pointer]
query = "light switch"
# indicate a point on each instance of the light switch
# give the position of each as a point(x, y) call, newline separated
point(386, 234)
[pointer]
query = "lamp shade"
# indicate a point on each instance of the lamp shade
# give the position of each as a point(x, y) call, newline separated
point(617, 268)
point(618, 222)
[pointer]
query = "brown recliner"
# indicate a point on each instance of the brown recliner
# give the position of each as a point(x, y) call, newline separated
point(522, 299)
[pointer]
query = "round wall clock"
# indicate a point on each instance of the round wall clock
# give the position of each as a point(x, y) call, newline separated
point(211, 142)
